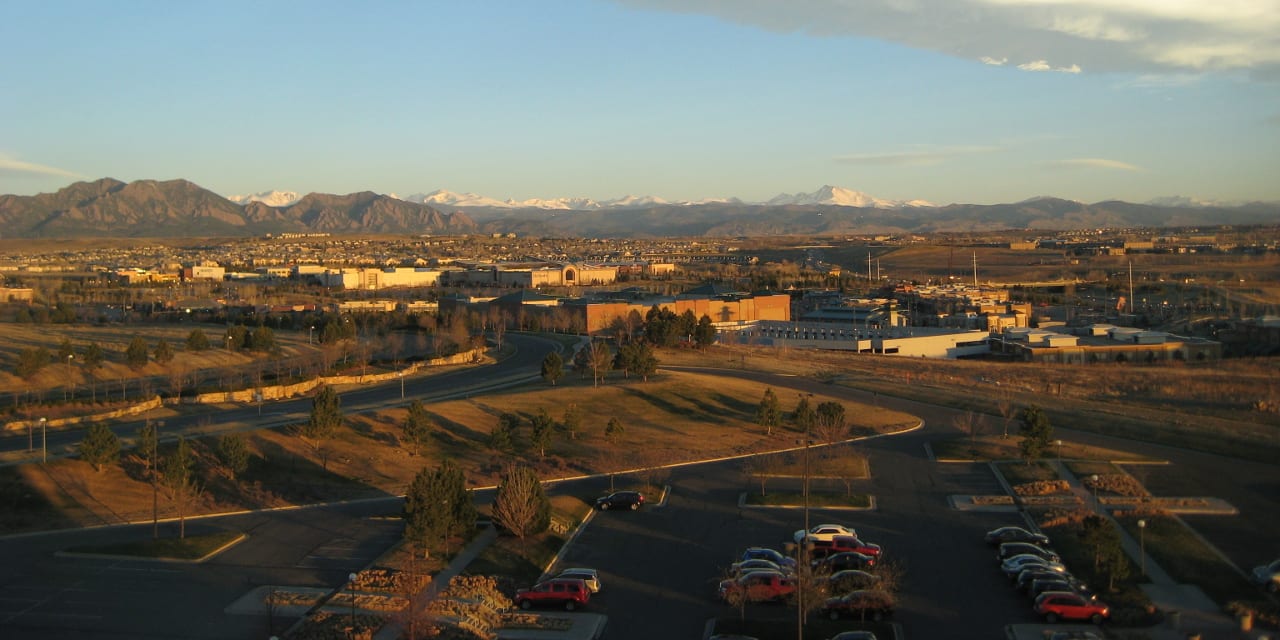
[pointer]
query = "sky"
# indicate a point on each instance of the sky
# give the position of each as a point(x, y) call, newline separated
point(971, 101)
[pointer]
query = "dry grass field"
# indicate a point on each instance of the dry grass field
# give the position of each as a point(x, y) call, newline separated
point(1231, 407)
point(672, 418)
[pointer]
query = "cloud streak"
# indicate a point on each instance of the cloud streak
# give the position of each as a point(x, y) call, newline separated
point(914, 157)
point(1140, 36)
point(1094, 163)
point(13, 166)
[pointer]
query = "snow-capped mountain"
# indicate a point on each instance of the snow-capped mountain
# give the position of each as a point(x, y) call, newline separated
point(840, 196)
point(1189, 201)
point(270, 198)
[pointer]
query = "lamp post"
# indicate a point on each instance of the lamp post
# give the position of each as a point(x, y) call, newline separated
point(400, 374)
point(1093, 487)
point(1059, 443)
point(228, 342)
point(44, 441)
point(310, 331)
point(351, 586)
point(70, 357)
point(1142, 545)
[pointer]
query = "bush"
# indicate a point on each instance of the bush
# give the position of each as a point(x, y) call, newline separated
point(1042, 488)
point(1121, 484)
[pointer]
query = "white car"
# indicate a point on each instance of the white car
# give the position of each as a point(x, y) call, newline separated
point(824, 532)
point(589, 576)
point(1268, 576)
point(1014, 565)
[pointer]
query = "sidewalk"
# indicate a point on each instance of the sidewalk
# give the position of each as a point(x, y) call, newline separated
point(1188, 611)
point(391, 630)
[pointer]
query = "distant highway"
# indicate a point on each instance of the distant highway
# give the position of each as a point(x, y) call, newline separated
point(524, 366)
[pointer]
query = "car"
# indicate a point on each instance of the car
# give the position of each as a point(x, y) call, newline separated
point(758, 586)
point(1014, 565)
point(844, 560)
point(822, 532)
point(1041, 585)
point(1016, 534)
point(731, 636)
point(839, 544)
point(569, 593)
point(747, 566)
point(854, 635)
point(621, 500)
point(1063, 605)
point(1267, 576)
point(1033, 573)
point(765, 553)
point(589, 576)
point(1010, 549)
point(866, 603)
point(846, 581)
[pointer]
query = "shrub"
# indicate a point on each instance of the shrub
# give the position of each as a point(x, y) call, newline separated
point(1042, 488)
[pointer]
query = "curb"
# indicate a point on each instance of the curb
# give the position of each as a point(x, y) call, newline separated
point(742, 504)
point(119, 556)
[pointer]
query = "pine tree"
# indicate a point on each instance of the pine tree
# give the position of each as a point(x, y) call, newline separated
point(234, 453)
point(1037, 433)
point(326, 418)
point(417, 427)
point(552, 367)
point(572, 420)
point(100, 446)
point(197, 341)
point(613, 430)
point(178, 476)
point(769, 414)
point(541, 433)
point(804, 417)
point(163, 353)
point(135, 355)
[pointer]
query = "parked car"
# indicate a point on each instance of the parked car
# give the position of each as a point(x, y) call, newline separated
point(1060, 583)
point(758, 586)
point(747, 566)
point(1267, 576)
point(1010, 549)
point(846, 581)
point(1062, 605)
point(822, 532)
point(764, 553)
point(871, 604)
point(1016, 534)
point(844, 560)
point(840, 544)
point(1033, 573)
point(569, 593)
point(1014, 565)
point(589, 576)
point(621, 500)
point(854, 635)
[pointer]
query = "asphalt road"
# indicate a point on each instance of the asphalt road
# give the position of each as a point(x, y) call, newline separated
point(524, 365)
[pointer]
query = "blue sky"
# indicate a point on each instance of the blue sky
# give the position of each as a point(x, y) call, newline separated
point(942, 100)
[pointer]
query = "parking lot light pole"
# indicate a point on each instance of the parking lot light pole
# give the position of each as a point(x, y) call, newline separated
point(44, 441)
point(400, 374)
point(1097, 504)
point(351, 586)
point(1059, 443)
point(1142, 545)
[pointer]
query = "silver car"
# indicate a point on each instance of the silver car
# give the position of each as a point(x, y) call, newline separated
point(589, 576)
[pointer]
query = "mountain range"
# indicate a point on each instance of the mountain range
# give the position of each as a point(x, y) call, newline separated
point(177, 208)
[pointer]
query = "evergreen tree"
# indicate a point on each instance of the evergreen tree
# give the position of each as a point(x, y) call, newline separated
point(92, 356)
point(540, 434)
point(326, 418)
point(704, 335)
point(100, 446)
point(613, 430)
point(502, 438)
point(1037, 433)
point(65, 350)
point(769, 414)
point(804, 417)
point(30, 362)
point(178, 476)
point(163, 353)
point(552, 367)
point(572, 420)
point(417, 427)
point(234, 453)
point(135, 354)
point(262, 339)
point(197, 340)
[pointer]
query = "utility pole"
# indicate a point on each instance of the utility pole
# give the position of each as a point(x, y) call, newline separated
point(975, 269)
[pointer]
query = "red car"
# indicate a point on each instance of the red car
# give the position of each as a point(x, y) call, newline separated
point(569, 593)
point(758, 586)
point(1064, 605)
point(840, 544)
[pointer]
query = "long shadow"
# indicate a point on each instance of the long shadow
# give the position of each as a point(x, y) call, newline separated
point(706, 411)
point(297, 479)
point(25, 507)
point(660, 403)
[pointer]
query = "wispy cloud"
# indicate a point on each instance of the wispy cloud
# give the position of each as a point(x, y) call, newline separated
point(1163, 80)
point(914, 157)
point(1140, 36)
point(1094, 163)
point(1043, 65)
point(13, 166)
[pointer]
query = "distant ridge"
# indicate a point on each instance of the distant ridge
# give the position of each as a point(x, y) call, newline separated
point(176, 208)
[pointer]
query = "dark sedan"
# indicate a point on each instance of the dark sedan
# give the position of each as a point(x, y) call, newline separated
point(1016, 534)
point(620, 500)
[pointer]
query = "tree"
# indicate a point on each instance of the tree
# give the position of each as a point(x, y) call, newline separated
point(572, 420)
point(638, 358)
point(177, 475)
point(968, 423)
point(100, 446)
point(1004, 402)
point(704, 334)
point(234, 454)
point(236, 337)
point(520, 505)
point(326, 418)
point(541, 433)
point(65, 350)
point(197, 341)
point(599, 360)
point(803, 417)
point(262, 339)
point(1037, 433)
point(92, 359)
point(552, 367)
point(148, 444)
point(830, 421)
point(135, 354)
point(502, 438)
point(426, 510)
point(30, 362)
point(163, 354)
point(769, 414)
point(417, 427)
point(613, 430)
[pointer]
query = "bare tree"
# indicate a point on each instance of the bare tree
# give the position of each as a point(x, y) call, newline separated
point(968, 423)
point(599, 360)
point(1004, 402)
point(520, 505)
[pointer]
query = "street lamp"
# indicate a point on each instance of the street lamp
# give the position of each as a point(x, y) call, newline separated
point(70, 357)
point(1059, 443)
point(1142, 544)
point(351, 586)
point(1093, 486)
point(400, 374)
point(229, 339)
point(44, 441)
point(310, 332)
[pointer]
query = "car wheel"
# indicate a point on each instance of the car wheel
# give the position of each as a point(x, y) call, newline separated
point(1051, 618)
point(635, 506)
point(1096, 618)
point(525, 604)
point(604, 506)
point(568, 606)
point(834, 615)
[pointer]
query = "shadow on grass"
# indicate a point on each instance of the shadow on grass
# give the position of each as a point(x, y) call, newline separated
point(25, 507)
